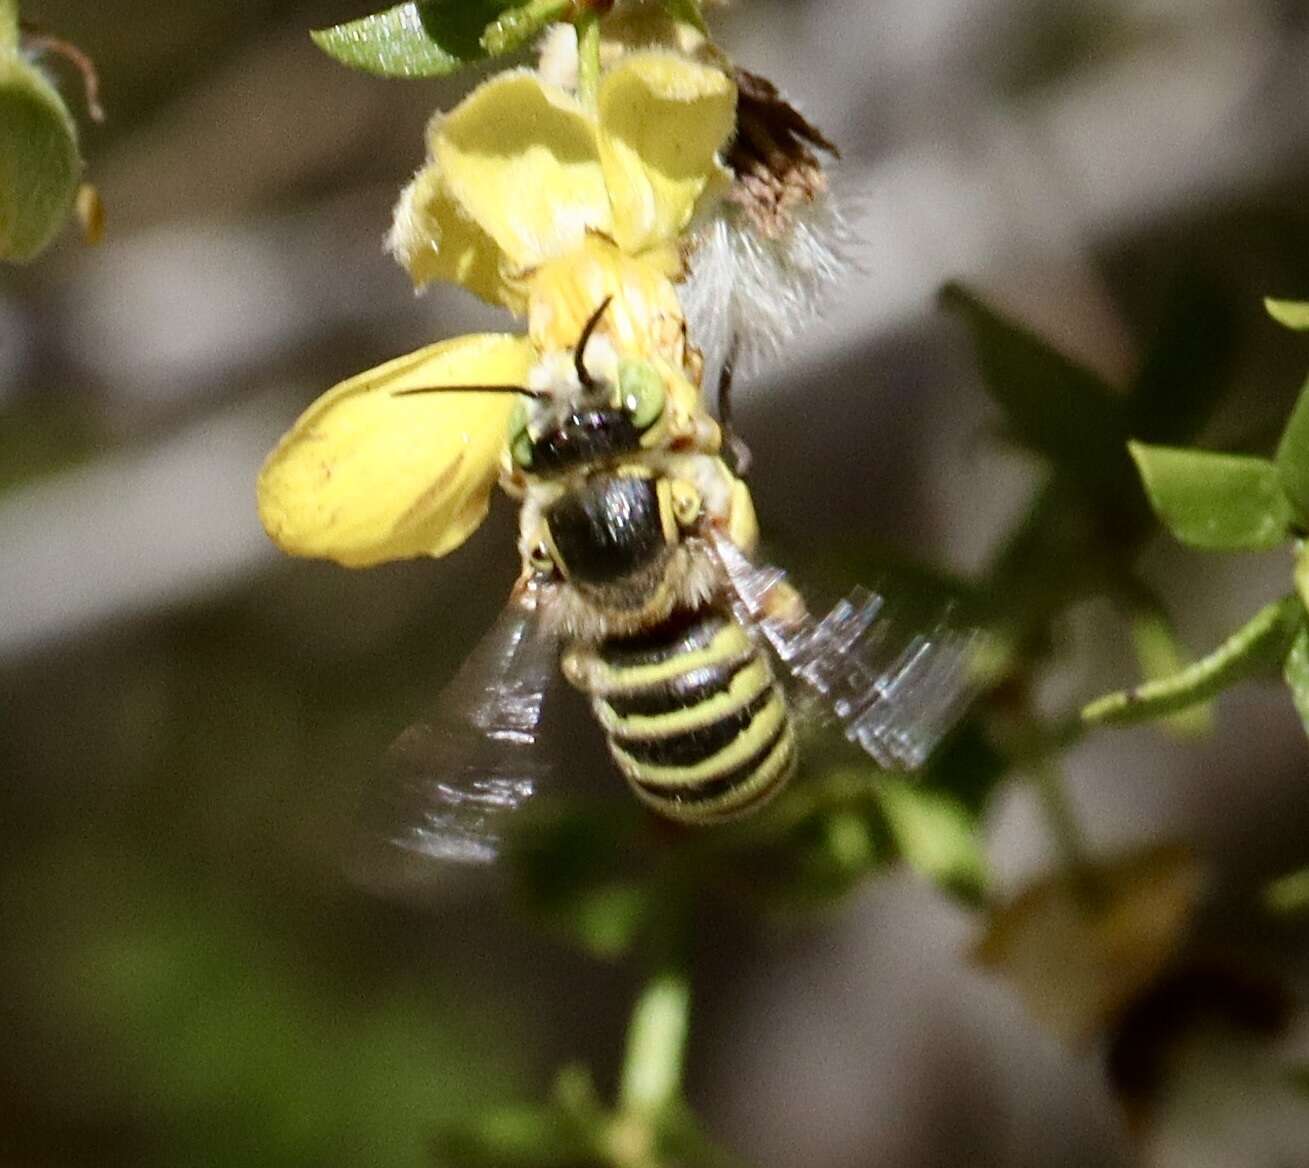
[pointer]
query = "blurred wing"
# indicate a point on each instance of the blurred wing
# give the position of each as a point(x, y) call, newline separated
point(895, 696)
point(453, 781)
point(370, 474)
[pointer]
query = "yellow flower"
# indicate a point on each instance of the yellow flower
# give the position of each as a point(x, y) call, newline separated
point(534, 202)
point(372, 473)
point(520, 173)
point(644, 317)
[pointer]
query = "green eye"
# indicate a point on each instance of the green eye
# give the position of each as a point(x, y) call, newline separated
point(520, 441)
point(641, 391)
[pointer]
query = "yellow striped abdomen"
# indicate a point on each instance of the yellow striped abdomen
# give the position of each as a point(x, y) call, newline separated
point(693, 717)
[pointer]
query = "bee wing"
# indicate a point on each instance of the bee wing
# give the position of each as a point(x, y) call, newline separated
point(454, 780)
point(895, 695)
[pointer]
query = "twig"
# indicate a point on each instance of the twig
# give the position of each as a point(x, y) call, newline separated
point(42, 42)
point(588, 58)
point(1069, 838)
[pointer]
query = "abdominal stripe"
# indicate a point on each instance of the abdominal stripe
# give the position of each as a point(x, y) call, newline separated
point(688, 689)
point(690, 747)
point(694, 717)
point(739, 778)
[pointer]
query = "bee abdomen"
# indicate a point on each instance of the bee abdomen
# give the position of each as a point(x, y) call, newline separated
point(694, 718)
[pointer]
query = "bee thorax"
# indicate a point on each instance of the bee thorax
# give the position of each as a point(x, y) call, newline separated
point(610, 530)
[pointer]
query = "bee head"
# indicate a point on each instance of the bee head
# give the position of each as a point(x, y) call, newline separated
point(596, 411)
point(625, 420)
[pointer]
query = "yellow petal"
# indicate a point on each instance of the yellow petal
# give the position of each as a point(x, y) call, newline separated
point(521, 159)
point(434, 240)
point(364, 476)
point(663, 120)
point(644, 318)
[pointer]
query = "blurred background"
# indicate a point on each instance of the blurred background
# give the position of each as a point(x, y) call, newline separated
point(186, 976)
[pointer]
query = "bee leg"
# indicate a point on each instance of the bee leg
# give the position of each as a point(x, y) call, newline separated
point(739, 457)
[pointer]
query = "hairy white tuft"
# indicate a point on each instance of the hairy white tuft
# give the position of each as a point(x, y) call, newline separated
point(762, 291)
point(691, 579)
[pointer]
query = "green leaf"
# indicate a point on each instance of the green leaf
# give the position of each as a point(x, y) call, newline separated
point(849, 842)
point(575, 1096)
point(527, 1135)
point(1219, 502)
point(1302, 574)
point(680, 1139)
point(1053, 405)
point(1292, 313)
point(604, 920)
point(1055, 555)
point(1289, 895)
point(656, 1046)
point(1293, 457)
point(969, 767)
point(39, 161)
point(1188, 363)
point(1297, 674)
point(1259, 646)
point(572, 871)
point(934, 832)
point(687, 11)
point(429, 39)
point(810, 845)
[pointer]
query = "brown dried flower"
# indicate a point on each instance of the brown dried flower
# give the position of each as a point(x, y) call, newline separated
point(773, 157)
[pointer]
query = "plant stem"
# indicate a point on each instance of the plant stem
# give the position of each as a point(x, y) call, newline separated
point(688, 11)
point(1031, 745)
point(516, 26)
point(588, 58)
point(1070, 841)
point(656, 1044)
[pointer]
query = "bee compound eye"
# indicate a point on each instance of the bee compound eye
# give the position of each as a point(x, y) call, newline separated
point(521, 449)
point(520, 439)
point(641, 393)
point(687, 502)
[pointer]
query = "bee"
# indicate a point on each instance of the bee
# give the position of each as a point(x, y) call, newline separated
point(639, 583)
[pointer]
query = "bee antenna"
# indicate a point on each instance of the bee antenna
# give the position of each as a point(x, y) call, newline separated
point(534, 393)
point(587, 381)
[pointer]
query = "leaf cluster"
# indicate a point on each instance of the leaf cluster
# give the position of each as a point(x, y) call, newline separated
point(1232, 503)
